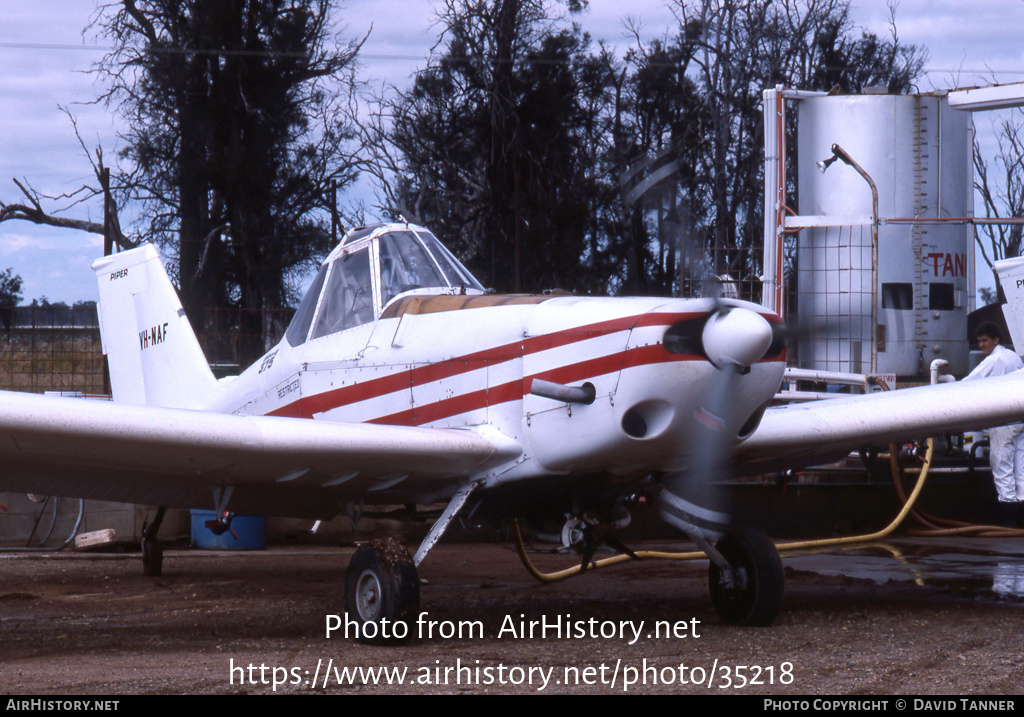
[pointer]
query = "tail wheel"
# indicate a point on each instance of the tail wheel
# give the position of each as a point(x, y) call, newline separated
point(382, 591)
point(751, 592)
point(152, 558)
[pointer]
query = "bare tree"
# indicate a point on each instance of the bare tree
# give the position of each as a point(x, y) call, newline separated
point(742, 47)
point(1001, 191)
point(237, 127)
point(31, 208)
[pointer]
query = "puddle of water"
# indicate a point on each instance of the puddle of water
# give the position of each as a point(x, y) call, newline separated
point(986, 569)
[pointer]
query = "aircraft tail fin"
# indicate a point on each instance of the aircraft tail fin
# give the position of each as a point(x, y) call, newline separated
point(152, 351)
point(1011, 279)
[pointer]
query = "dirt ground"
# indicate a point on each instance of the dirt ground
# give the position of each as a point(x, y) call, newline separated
point(223, 623)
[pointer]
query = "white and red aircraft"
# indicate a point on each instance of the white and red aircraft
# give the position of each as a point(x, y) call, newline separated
point(400, 380)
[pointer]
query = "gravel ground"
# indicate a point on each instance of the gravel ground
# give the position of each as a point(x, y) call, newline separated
point(222, 623)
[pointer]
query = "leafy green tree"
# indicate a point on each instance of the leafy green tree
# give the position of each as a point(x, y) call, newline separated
point(610, 174)
point(661, 124)
point(10, 288)
point(10, 296)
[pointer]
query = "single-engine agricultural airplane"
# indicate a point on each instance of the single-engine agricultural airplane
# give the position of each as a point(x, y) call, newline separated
point(401, 381)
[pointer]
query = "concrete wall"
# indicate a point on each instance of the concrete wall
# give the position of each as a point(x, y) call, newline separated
point(21, 514)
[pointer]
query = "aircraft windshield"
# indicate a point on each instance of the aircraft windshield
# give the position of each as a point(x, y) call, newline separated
point(299, 326)
point(405, 265)
point(415, 260)
point(455, 272)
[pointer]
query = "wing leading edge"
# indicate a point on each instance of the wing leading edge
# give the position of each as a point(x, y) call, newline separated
point(274, 466)
point(796, 436)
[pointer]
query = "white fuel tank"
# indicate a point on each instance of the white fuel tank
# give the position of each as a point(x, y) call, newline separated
point(918, 153)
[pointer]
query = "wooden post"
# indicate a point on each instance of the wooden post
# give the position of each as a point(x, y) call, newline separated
point(334, 213)
point(108, 249)
point(108, 239)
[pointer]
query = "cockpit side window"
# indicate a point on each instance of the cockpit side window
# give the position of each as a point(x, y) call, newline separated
point(404, 266)
point(298, 329)
point(348, 297)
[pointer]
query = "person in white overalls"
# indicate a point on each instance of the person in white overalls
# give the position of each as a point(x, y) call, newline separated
point(1006, 443)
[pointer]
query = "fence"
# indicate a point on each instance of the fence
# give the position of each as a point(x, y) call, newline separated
point(58, 348)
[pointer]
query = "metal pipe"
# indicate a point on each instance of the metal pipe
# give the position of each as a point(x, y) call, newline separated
point(774, 197)
point(847, 159)
point(584, 394)
point(955, 220)
point(808, 374)
point(807, 396)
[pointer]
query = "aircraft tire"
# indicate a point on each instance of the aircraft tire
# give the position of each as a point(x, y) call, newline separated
point(152, 558)
point(382, 592)
point(756, 601)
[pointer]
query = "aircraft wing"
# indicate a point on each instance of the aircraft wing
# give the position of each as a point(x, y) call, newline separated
point(180, 458)
point(800, 435)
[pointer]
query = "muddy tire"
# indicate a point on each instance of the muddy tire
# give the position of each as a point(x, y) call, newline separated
point(382, 592)
point(754, 597)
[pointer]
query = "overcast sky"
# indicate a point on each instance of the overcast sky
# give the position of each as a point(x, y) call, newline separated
point(46, 54)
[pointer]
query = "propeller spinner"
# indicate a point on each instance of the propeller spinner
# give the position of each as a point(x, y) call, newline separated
point(736, 337)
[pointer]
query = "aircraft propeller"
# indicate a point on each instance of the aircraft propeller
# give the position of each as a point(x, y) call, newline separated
point(746, 579)
point(732, 339)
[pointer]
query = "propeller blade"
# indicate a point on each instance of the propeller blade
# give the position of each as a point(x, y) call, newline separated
point(733, 339)
point(712, 434)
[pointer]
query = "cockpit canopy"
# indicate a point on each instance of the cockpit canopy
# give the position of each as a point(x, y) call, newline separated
point(371, 268)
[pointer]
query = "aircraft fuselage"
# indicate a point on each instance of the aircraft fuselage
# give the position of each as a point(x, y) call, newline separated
point(468, 362)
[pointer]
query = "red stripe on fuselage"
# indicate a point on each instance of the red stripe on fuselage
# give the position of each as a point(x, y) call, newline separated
point(308, 406)
point(515, 390)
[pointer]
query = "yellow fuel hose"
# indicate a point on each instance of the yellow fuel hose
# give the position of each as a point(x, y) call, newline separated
point(603, 563)
point(938, 527)
point(694, 555)
point(908, 505)
point(954, 528)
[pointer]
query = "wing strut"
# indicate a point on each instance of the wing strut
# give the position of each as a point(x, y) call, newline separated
point(454, 506)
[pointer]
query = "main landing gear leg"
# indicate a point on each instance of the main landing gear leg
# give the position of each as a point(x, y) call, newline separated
point(152, 550)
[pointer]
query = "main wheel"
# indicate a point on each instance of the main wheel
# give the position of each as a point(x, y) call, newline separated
point(752, 594)
point(382, 591)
